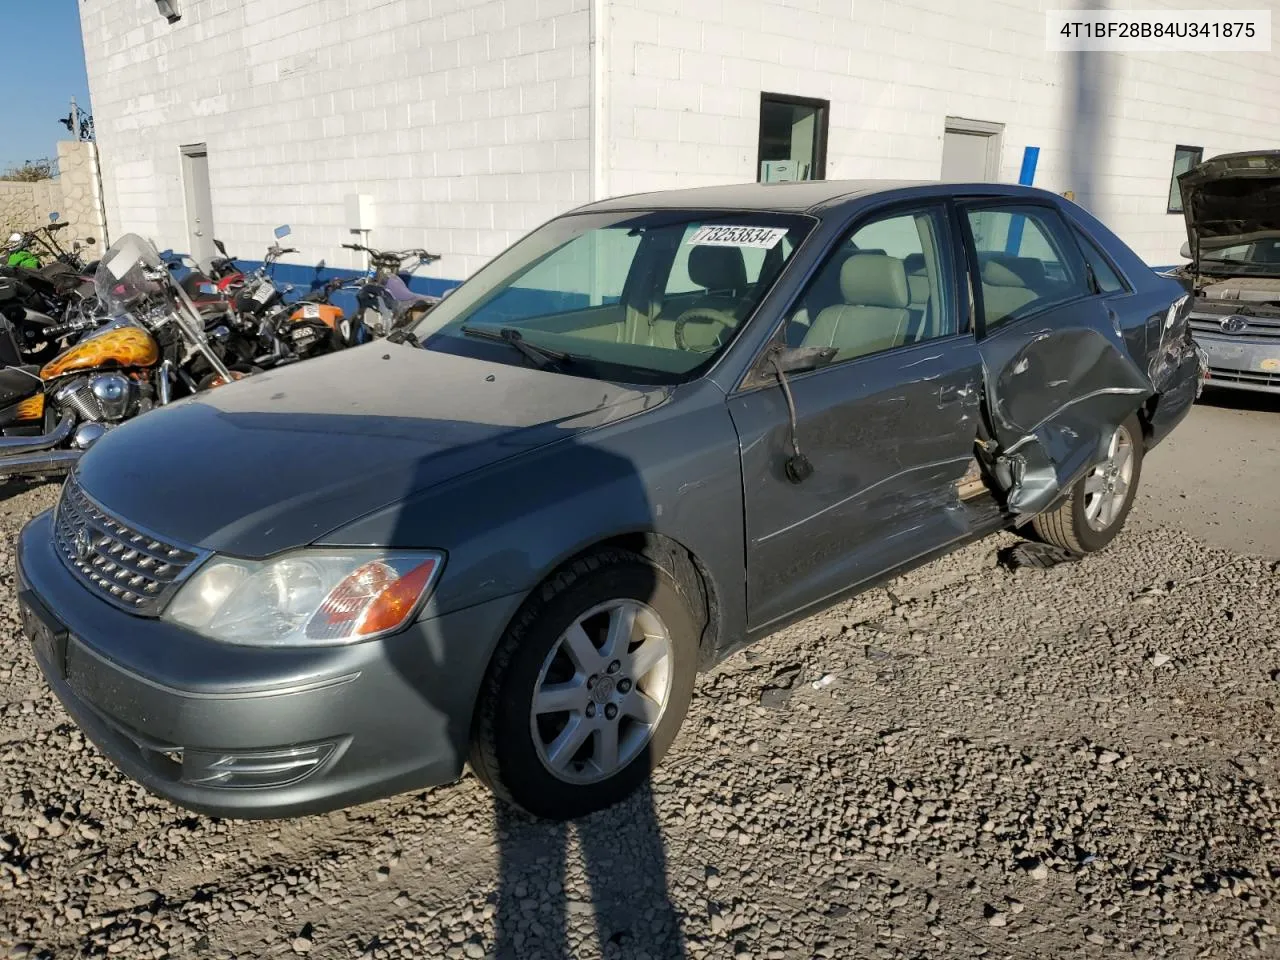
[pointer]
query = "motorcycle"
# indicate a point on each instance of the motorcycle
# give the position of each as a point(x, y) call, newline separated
point(152, 349)
point(45, 306)
point(29, 250)
point(384, 301)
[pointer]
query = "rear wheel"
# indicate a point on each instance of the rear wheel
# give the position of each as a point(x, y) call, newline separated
point(1095, 511)
point(588, 687)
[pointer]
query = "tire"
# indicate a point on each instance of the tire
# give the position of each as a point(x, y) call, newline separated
point(1070, 526)
point(512, 751)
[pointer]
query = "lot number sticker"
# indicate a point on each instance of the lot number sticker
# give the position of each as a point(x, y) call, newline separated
point(710, 235)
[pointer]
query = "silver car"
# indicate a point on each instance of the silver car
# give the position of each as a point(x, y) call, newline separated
point(1232, 208)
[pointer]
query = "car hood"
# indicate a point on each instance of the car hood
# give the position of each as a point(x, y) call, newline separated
point(1231, 200)
point(284, 457)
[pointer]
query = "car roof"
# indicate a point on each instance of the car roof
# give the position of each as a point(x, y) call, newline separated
point(806, 196)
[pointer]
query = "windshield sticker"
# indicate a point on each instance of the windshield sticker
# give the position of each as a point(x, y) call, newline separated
point(766, 238)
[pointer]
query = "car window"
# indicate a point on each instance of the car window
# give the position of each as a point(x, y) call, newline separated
point(1026, 261)
point(1108, 280)
point(886, 285)
point(594, 286)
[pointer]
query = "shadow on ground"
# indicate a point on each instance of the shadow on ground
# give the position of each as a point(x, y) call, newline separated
point(1227, 399)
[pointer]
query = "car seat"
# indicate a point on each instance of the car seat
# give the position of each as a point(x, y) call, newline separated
point(722, 274)
point(874, 315)
point(1003, 292)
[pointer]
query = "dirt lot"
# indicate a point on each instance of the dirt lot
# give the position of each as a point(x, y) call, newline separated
point(973, 762)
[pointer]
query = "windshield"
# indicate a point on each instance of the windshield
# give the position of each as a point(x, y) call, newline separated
point(1259, 256)
point(124, 278)
point(647, 296)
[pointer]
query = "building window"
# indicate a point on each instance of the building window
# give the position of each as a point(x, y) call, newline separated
point(793, 138)
point(1184, 158)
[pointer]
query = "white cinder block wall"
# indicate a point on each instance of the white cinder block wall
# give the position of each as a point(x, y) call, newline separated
point(471, 121)
point(685, 81)
point(467, 120)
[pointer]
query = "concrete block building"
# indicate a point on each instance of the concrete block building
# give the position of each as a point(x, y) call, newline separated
point(467, 123)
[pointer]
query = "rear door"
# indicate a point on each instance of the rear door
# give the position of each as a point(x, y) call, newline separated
point(1058, 377)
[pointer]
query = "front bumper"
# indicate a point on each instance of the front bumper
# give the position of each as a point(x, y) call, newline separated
point(1242, 362)
point(168, 707)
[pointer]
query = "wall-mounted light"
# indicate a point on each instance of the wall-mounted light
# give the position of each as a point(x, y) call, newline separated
point(169, 10)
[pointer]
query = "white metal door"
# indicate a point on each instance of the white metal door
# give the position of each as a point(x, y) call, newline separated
point(971, 150)
point(195, 183)
point(964, 156)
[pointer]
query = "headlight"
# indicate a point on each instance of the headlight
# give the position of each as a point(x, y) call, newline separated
point(307, 598)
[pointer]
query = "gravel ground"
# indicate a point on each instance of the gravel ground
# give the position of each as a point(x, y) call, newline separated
point(972, 762)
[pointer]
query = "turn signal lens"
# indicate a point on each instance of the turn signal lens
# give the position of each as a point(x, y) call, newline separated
point(373, 599)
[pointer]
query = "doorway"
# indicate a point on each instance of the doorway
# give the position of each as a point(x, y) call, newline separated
point(195, 184)
point(971, 150)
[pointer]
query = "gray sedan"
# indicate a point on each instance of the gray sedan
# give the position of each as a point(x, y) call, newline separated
point(654, 430)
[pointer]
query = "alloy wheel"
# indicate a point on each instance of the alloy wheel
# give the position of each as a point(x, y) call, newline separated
point(1107, 486)
point(602, 691)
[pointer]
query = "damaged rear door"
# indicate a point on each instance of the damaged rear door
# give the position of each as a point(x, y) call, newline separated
point(1057, 374)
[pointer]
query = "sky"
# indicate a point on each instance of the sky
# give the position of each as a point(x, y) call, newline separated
point(44, 50)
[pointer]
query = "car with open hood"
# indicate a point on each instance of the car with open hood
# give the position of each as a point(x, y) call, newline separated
point(1231, 205)
point(652, 431)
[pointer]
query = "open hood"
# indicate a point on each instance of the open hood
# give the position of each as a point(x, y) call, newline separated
point(1230, 200)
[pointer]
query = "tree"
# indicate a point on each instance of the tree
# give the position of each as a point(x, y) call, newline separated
point(31, 171)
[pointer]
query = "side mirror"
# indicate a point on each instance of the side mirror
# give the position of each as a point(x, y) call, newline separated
point(54, 217)
point(222, 249)
point(90, 241)
point(283, 231)
point(1184, 251)
point(799, 359)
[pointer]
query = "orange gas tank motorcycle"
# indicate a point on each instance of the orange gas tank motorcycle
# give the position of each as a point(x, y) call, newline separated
point(152, 350)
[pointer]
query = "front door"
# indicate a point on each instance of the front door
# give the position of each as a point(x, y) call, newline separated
point(888, 427)
point(1059, 377)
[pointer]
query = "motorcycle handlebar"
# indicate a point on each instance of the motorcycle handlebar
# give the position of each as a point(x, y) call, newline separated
point(66, 328)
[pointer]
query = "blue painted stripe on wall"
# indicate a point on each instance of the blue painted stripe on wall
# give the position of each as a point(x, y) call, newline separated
point(514, 304)
point(308, 278)
point(1026, 176)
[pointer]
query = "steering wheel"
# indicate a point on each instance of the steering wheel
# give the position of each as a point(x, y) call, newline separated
point(700, 315)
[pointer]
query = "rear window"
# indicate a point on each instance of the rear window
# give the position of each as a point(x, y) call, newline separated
point(1026, 259)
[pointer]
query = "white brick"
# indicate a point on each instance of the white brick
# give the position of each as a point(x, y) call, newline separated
point(398, 97)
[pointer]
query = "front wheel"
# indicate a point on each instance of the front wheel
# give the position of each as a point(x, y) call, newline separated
point(1095, 511)
point(588, 687)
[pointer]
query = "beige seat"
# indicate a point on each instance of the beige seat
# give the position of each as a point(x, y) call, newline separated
point(1003, 292)
point(874, 315)
point(722, 274)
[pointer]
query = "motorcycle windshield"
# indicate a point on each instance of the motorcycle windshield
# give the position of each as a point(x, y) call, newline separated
point(129, 274)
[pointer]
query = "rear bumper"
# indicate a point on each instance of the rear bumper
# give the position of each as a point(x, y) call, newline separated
point(1180, 384)
point(1242, 363)
point(178, 713)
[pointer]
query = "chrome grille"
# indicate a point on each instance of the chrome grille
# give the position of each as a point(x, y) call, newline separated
point(121, 564)
point(1257, 326)
point(1244, 377)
